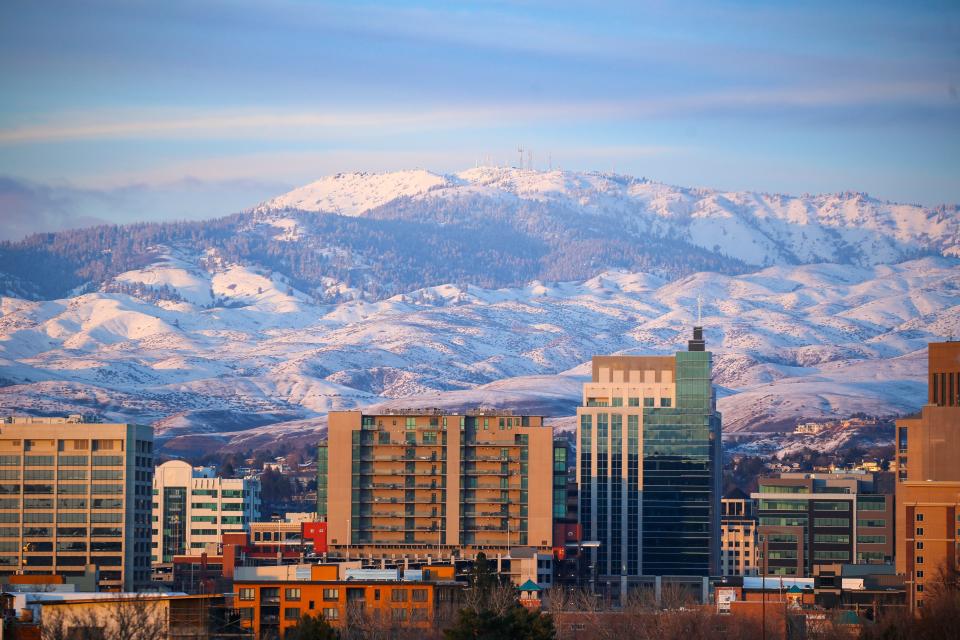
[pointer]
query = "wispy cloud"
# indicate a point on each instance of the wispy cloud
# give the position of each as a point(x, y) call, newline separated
point(286, 123)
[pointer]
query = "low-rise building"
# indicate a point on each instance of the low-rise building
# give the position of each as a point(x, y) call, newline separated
point(193, 508)
point(272, 599)
point(807, 519)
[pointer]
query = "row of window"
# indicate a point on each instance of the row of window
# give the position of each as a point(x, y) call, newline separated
point(47, 489)
point(62, 532)
point(631, 402)
point(63, 516)
point(332, 594)
point(62, 503)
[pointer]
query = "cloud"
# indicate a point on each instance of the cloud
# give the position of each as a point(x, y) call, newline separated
point(301, 124)
point(27, 207)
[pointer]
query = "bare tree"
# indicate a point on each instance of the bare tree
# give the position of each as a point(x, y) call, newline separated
point(133, 618)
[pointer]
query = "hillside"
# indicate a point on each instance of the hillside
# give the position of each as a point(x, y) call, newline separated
point(237, 354)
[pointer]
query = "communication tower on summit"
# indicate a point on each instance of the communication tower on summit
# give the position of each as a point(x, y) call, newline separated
point(520, 151)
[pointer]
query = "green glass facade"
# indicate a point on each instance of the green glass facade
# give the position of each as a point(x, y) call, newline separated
point(681, 475)
point(322, 480)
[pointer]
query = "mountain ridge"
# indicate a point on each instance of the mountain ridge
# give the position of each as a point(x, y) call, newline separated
point(491, 286)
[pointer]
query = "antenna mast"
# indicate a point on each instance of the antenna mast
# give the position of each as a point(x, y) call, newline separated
point(520, 151)
point(699, 310)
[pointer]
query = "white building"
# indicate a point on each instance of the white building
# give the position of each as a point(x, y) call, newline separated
point(192, 508)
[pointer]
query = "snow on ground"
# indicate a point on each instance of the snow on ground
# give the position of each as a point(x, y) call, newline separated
point(351, 194)
point(789, 343)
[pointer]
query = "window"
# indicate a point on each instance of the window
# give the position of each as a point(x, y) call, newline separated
point(245, 594)
point(292, 594)
point(919, 517)
point(331, 595)
point(419, 595)
point(398, 595)
point(648, 402)
point(831, 506)
point(920, 573)
point(291, 613)
point(831, 555)
point(872, 540)
point(617, 402)
point(919, 559)
point(783, 505)
point(871, 523)
point(919, 531)
point(664, 402)
point(331, 613)
point(919, 545)
point(398, 615)
point(831, 522)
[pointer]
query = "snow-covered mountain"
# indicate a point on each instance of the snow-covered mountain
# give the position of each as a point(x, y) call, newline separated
point(491, 286)
point(758, 228)
point(236, 354)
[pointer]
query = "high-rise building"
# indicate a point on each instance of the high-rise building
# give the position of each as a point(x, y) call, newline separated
point(193, 508)
point(427, 483)
point(738, 535)
point(649, 465)
point(928, 477)
point(808, 519)
point(74, 494)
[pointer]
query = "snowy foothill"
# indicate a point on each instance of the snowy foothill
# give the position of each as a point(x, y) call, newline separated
point(789, 343)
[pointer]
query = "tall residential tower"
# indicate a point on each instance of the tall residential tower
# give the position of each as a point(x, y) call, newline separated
point(428, 483)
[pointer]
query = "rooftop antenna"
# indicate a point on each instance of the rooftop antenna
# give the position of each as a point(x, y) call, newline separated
point(698, 343)
point(520, 151)
point(530, 159)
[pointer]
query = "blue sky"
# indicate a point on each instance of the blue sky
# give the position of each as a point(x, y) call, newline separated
point(136, 110)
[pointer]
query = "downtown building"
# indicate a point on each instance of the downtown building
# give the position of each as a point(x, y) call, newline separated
point(193, 508)
point(418, 484)
point(75, 494)
point(928, 478)
point(649, 466)
point(812, 519)
point(738, 535)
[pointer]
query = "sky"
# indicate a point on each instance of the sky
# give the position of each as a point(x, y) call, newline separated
point(134, 110)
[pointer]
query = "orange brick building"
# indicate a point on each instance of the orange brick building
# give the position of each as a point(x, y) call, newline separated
point(273, 599)
point(928, 477)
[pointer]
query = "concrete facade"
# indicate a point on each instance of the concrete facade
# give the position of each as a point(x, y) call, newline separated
point(192, 508)
point(74, 494)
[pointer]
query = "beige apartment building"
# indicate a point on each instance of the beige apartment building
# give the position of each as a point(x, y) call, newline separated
point(74, 494)
point(426, 483)
point(738, 535)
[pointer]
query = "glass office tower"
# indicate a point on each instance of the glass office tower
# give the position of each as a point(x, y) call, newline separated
point(649, 465)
